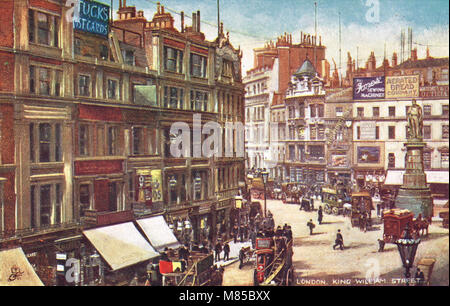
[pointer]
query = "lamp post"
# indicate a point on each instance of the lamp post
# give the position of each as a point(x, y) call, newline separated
point(265, 176)
point(407, 247)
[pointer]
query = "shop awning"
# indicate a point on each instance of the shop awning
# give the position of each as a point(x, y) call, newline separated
point(15, 269)
point(395, 177)
point(437, 177)
point(159, 233)
point(120, 245)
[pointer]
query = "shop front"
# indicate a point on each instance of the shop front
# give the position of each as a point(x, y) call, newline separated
point(119, 254)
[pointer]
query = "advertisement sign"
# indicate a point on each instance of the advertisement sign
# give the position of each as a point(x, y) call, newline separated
point(368, 155)
point(368, 88)
point(368, 130)
point(433, 92)
point(405, 86)
point(144, 186)
point(92, 17)
point(339, 160)
point(156, 185)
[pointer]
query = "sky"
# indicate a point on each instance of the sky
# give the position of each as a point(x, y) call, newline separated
point(366, 25)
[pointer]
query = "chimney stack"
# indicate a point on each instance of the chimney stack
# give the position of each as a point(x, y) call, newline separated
point(182, 22)
point(194, 22)
point(120, 4)
point(428, 53)
point(198, 21)
point(394, 59)
point(414, 54)
point(158, 8)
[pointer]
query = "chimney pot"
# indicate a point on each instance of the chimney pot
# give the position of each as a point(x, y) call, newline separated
point(198, 21)
point(182, 22)
point(194, 22)
point(158, 6)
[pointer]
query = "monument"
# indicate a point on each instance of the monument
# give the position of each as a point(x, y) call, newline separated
point(414, 194)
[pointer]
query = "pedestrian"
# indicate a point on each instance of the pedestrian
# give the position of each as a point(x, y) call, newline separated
point(241, 257)
point(241, 233)
point(378, 209)
point(420, 277)
point(289, 234)
point(311, 226)
point(226, 252)
point(246, 230)
point(381, 244)
point(339, 240)
point(218, 250)
point(235, 232)
point(279, 231)
point(253, 238)
point(320, 215)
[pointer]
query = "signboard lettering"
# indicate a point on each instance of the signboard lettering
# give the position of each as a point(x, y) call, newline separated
point(93, 17)
point(433, 92)
point(368, 88)
point(405, 86)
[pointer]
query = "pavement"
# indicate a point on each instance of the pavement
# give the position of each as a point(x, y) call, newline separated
point(316, 263)
point(234, 253)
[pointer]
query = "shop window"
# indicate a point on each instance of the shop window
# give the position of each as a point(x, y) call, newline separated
point(173, 97)
point(391, 132)
point(198, 65)
point(173, 60)
point(43, 28)
point(427, 132)
point(84, 85)
point(444, 160)
point(199, 101)
point(113, 89)
point(391, 111)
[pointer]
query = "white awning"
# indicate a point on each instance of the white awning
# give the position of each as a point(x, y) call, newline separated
point(437, 177)
point(16, 270)
point(159, 233)
point(120, 245)
point(395, 177)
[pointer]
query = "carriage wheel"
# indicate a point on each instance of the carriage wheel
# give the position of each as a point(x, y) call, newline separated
point(289, 277)
point(327, 209)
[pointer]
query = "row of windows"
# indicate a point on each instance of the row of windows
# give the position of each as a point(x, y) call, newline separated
point(255, 113)
point(173, 62)
point(256, 88)
point(392, 111)
point(391, 132)
point(444, 161)
point(315, 110)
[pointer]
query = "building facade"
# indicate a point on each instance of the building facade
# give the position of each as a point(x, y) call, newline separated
point(86, 117)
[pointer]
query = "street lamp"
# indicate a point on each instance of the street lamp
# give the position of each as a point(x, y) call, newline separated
point(407, 247)
point(265, 176)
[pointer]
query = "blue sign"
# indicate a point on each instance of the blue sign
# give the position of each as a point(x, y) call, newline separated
point(92, 17)
point(368, 88)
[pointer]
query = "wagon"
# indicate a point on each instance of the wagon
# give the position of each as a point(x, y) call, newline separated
point(291, 193)
point(395, 221)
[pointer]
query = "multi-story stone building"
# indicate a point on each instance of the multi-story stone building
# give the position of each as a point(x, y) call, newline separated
point(266, 84)
point(85, 127)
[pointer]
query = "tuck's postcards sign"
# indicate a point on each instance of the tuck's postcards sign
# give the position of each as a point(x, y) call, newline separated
point(91, 17)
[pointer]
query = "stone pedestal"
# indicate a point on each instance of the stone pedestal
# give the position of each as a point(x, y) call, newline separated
point(414, 194)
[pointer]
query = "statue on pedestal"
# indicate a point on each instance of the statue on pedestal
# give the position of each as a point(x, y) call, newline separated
point(415, 121)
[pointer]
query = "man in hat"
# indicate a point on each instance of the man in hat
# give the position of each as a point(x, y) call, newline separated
point(339, 241)
point(311, 226)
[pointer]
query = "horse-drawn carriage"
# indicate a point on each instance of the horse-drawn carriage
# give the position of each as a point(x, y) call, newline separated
point(362, 207)
point(395, 221)
point(334, 199)
point(257, 189)
point(291, 193)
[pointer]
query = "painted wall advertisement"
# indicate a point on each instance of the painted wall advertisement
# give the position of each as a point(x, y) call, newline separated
point(440, 91)
point(339, 160)
point(148, 186)
point(368, 155)
point(92, 17)
point(368, 88)
point(405, 86)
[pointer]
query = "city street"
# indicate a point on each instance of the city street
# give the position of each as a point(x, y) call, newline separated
point(316, 263)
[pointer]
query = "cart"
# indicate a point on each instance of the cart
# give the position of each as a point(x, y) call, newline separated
point(395, 221)
point(291, 193)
